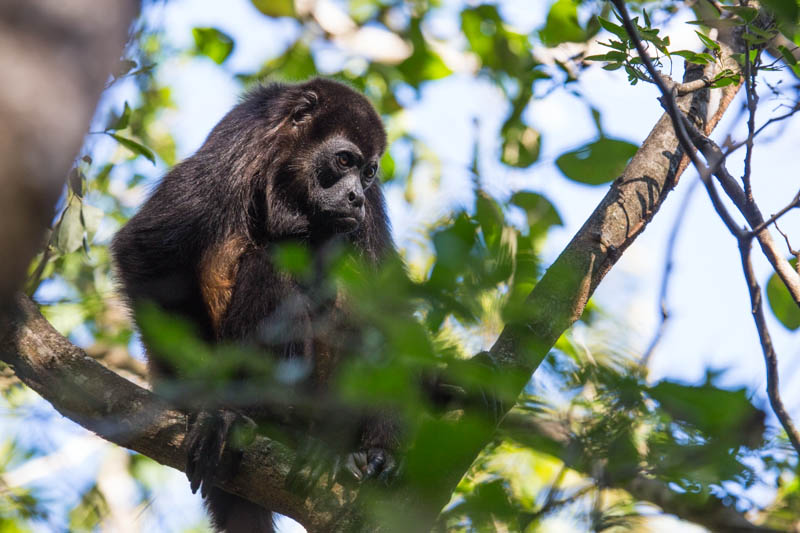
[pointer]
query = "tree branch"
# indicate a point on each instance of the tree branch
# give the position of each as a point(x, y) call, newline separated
point(711, 512)
point(123, 413)
point(744, 202)
point(50, 53)
point(770, 357)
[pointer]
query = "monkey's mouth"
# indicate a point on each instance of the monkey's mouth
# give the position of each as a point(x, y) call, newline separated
point(346, 224)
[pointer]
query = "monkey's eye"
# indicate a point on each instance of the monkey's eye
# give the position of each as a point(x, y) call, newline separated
point(345, 159)
point(371, 171)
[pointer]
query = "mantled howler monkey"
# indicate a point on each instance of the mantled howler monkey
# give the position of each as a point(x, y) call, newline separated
point(289, 163)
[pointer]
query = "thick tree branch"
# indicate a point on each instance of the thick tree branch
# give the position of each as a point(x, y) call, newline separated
point(55, 58)
point(121, 412)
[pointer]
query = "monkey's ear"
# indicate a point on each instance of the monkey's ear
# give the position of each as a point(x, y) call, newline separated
point(306, 104)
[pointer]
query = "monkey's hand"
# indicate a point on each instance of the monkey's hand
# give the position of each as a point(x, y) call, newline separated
point(316, 461)
point(370, 463)
point(214, 444)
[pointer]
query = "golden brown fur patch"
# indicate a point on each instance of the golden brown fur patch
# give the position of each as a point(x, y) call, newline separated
point(217, 274)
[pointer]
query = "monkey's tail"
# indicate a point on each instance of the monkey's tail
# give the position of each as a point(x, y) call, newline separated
point(231, 514)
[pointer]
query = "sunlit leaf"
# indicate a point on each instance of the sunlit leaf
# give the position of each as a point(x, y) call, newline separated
point(781, 302)
point(213, 43)
point(275, 8)
point(562, 24)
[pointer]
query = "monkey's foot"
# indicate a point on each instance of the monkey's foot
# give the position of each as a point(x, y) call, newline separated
point(214, 443)
point(372, 463)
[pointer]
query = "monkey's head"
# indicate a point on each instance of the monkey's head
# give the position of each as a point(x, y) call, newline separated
point(327, 141)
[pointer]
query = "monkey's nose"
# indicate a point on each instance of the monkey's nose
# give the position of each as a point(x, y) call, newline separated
point(356, 199)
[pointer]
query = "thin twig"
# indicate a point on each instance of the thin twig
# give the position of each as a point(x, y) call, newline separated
point(671, 106)
point(770, 357)
point(761, 128)
point(752, 104)
point(716, 159)
point(771, 220)
point(795, 253)
point(667, 275)
point(751, 212)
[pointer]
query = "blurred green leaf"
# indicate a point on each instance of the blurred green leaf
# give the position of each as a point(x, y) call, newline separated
point(562, 24)
point(521, 144)
point(747, 14)
point(423, 64)
point(542, 214)
point(275, 8)
point(135, 147)
point(91, 217)
point(213, 43)
point(598, 162)
point(708, 42)
point(76, 180)
point(786, 11)
point(781, 302)
point(120, 122)
point(68, 235)
point(717, 412)
point(498, 48)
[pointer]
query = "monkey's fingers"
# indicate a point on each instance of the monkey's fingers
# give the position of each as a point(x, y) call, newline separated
point(214, 443)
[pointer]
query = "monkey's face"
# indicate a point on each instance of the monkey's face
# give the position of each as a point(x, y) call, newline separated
point(342, 174)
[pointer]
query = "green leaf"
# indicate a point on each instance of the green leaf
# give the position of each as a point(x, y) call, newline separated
point(716, 412)
point(785, 11)
point(125, 66)
point(387, 167)
point(135, 147)
point(68, 235)
point(616, 29)
point(121, 122)
point(213, 43)
point(781, 302)
point(708, 42)
point(521, 144)
point(76, 180)
point(90, 218)
point(422, 65)
point(747, 14)
point(275, 8)
point(562, 24)
point(787, 55)
point(609, 56)
point(694, 57)
point(598, 162)
point(541, 214)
